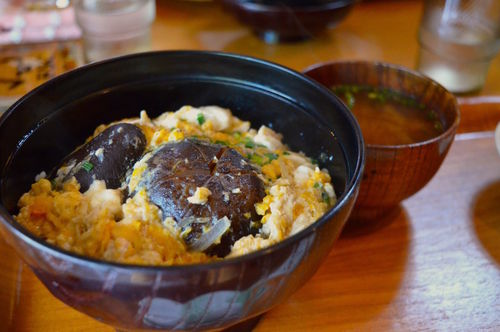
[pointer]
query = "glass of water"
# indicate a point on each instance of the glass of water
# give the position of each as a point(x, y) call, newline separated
point(114, 27)
point(458, 39)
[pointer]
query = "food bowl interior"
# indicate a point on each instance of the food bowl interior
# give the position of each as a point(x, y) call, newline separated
point(51, 132)
point(399, 79)
point(48, 123)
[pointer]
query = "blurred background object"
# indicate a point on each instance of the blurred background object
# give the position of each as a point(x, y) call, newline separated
point(38, 41)
point(289, 20)
point(36, 21)
point(458, 39)
point(497, 137)
point(24, 67)
point(114, 27)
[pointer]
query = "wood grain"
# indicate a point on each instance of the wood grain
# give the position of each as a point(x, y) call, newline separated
point(479, 113)
point(433, 264)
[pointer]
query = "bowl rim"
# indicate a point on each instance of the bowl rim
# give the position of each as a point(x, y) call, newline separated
point(350, 187)
point(407, 71)
point(263, 8)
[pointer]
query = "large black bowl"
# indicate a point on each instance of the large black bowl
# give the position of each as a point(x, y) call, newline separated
point(52, 120)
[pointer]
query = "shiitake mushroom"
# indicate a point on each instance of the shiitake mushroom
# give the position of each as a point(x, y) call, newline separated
point(173, 173)
point(108, 156)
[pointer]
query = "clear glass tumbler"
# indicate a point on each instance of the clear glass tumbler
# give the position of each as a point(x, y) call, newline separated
point(114, 27)
point(458, 39)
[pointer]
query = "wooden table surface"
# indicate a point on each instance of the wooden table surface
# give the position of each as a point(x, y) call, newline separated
point(434, 264)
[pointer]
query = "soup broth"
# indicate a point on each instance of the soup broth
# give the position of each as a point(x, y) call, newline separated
point(387, 117)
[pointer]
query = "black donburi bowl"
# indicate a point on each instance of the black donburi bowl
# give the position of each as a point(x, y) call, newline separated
point(49, 122)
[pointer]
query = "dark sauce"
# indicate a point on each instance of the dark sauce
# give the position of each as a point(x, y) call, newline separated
point(387, 117)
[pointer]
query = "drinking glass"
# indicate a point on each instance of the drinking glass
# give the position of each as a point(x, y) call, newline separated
point(458, 39)
point(114, 27)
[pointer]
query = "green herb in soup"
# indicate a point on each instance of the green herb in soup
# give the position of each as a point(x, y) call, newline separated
point(387, 117)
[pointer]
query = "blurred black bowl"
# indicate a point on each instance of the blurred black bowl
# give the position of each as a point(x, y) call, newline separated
point(289, 20)
point(52, 120)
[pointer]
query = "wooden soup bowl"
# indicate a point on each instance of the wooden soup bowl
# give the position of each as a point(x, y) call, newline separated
point(395, 172)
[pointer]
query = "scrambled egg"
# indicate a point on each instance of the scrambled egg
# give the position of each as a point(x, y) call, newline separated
point(99, 224)
point(200, 196)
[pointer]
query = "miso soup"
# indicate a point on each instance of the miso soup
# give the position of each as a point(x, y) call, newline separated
point(387, 117)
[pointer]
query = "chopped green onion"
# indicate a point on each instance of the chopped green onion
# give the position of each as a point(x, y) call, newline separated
point(286, 153)
point(271, 156)
point(318, 185)
point(325, 198)
point(87, 166)
point(412, 102)
point(383, 95)
point(256, 158)
point(249, 143)
point(222, 142)
point(349, 98)
point(431, 115)
point(377, 94)
point(200, 118)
